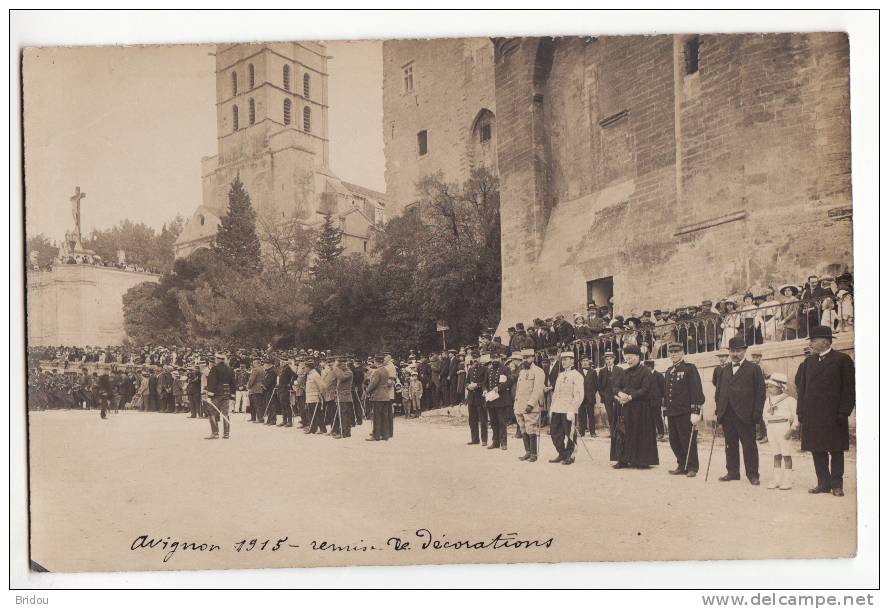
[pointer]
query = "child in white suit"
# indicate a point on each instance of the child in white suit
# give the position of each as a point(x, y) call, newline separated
point(779, 415)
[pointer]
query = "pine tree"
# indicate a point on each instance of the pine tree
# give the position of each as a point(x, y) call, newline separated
point(328, 246)
point(237, 243)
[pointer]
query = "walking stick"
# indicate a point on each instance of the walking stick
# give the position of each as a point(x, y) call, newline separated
point(712, 444)
point(266, 409)
point(691, 439)
point(314, 412)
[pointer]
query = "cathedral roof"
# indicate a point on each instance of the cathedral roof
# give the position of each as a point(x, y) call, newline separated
point(201, 226)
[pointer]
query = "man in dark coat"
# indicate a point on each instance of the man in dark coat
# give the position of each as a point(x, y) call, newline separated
point(193, 391)
point(609, 374)
point(498, 384)
point(683, 400)
point(659, 385)
point(587, 412)
point(283, 386)
point(825, 385)
point(269, 406)
point(476, 379)
point(740, 396)
point(220, 390)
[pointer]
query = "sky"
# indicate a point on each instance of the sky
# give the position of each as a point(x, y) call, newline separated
point(129, 125)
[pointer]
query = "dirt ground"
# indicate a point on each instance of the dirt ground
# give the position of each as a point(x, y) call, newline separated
point(97, 486)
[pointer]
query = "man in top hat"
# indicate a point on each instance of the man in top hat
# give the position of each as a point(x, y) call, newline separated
point(528, 403)
point(825, 385)
point(683, 400)
point(567, 397)
point(609, 374)
point(740, 396)
point(586, 414)
point(220, 391)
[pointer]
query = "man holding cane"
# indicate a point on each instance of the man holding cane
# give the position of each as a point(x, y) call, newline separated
point(683, 399)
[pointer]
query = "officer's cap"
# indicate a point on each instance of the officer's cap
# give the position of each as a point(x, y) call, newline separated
point(675, 346)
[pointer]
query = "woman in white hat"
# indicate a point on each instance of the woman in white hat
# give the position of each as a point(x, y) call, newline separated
point(779, 415)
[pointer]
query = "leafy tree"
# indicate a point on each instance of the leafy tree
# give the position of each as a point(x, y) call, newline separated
point(40, 247)
point(141, 243)
point(329, 244)
point(287, 247)
point(237, 243)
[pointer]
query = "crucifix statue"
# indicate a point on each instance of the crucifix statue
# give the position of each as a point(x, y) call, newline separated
point(75, 211)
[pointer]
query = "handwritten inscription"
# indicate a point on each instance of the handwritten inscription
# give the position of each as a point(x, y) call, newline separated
point(422, 540)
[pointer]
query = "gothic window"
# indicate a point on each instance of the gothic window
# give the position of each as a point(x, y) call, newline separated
point(251, 77)
point(485, 133)
point(422, 143)
point(307, 84)
point(251, 112)
point(692, 48)
point(234, 83)
point(286, 111)
point(408, 78)
point(235, 117)
point(286, 78)
point(307, 119)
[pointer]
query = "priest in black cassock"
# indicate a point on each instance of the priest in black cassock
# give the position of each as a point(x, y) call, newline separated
point(634, 441)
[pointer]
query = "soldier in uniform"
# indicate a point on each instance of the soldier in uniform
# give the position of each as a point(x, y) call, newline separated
point(683, 401)
point(567, 397)
point(220, 390)
point(497, 400)
point(285, 379)
point(378, 394)
point(342, 425)
point(314, 399)
point(476, 380)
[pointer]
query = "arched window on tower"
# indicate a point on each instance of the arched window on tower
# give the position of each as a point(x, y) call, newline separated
point(286, 78)
point(235, 117)
point(251, 112)
point(307, 85)
point(286, 111)
point(251, 76)
point(234, 83)
point(307, 119)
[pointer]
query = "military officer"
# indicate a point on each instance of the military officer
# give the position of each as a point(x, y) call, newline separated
point(683, 400)
point(220, 390)
point(476, 379)
point(497, 399)
point(529, 399)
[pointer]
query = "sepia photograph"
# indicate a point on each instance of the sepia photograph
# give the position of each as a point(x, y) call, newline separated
point(412, 300)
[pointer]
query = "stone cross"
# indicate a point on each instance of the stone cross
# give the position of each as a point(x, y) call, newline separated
point(75, 211)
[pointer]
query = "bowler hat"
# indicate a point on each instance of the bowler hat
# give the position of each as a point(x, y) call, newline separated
point(632, 350)
point(821, 332)
point(737, 342)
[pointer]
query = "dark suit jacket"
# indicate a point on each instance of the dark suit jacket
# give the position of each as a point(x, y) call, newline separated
point(607, 382)
point(590, 387)
point(744, 392)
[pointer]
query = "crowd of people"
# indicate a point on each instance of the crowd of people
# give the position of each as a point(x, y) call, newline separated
point(91, 260)
point(528, 388)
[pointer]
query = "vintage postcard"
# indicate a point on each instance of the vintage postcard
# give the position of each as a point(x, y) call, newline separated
point(450, 300)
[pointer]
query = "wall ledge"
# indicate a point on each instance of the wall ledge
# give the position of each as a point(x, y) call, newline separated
point(696, 226)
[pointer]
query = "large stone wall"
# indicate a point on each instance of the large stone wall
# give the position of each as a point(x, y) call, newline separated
point(79, 305)
point(614, 162)
point(453, 86)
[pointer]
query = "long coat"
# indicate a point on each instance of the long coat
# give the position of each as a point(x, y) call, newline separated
point(826, 398)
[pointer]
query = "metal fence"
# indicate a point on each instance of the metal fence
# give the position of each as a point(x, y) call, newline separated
point(710, 331)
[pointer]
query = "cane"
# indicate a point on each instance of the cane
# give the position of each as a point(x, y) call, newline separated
point(712, 444)
point(266, 409)
point(691, 439)
point(314, 412)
